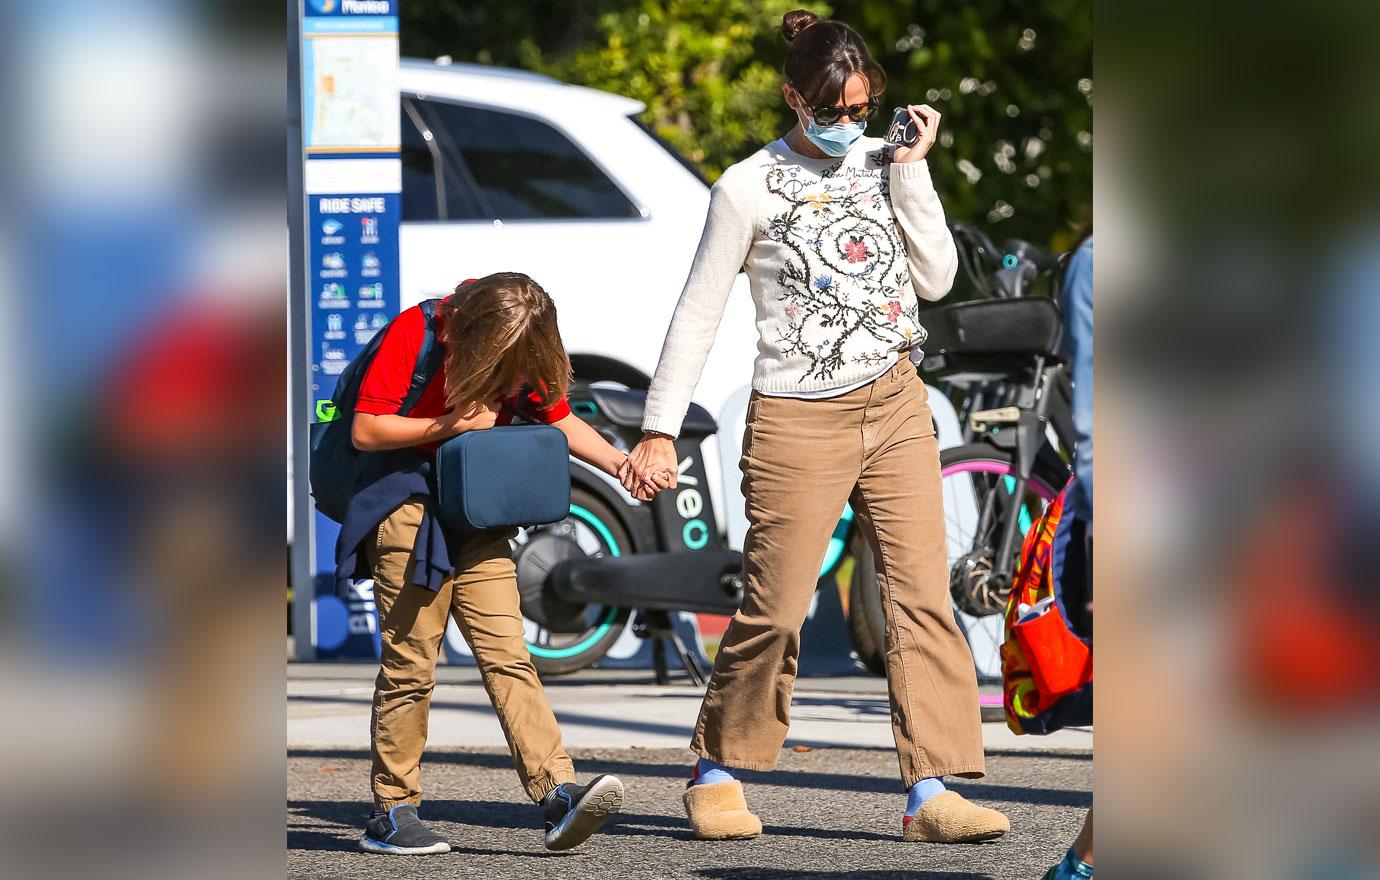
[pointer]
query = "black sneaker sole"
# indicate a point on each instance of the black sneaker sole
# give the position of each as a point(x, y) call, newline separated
point(369, 844)
point(599, 804)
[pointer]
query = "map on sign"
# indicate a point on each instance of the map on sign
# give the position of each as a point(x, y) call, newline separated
point(354, 99)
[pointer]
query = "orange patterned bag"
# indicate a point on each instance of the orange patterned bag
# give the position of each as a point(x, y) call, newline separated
point(1047, 668)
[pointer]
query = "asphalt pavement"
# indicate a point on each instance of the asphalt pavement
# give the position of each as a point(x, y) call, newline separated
point(831, 809)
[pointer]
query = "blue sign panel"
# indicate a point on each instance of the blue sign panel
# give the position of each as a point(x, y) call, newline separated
point(354, 272)
point(353, 181)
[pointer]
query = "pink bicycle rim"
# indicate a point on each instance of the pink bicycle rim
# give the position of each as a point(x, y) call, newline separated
point(997, 467)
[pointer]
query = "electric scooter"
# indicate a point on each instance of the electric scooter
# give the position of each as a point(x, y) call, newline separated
point(616, 560)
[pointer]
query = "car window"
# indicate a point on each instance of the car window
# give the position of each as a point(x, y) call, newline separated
point(419, 182)
point(522, 168)
point(435, 186)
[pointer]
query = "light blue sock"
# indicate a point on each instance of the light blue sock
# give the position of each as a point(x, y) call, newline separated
point(921, 792)
point(708, 773)
point(1072, 868)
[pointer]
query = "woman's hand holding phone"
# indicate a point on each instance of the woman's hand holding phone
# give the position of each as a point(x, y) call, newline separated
point(926, 120)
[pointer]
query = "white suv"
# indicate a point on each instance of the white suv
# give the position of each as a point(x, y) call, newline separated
point(506, 170)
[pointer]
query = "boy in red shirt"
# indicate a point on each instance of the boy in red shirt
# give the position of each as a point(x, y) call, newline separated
point(500, 342)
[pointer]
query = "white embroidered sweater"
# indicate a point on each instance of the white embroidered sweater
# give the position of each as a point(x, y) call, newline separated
point(836, 251)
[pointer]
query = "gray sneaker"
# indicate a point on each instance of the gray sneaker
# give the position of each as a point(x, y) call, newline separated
point(574, 812)
point(399, 832)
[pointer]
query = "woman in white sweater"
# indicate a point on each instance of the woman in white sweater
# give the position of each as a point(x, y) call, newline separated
point(841, 236)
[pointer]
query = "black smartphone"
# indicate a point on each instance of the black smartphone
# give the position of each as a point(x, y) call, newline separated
point(903, 131)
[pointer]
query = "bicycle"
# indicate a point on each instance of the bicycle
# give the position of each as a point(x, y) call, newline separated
point(1001, 355)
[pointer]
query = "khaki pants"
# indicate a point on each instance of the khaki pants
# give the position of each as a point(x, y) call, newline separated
point(482, 595)
point(802, 460)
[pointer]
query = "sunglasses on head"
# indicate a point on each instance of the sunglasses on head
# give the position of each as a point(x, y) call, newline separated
point(828, 115)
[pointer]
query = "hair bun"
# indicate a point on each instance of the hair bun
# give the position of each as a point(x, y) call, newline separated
point(795, 22)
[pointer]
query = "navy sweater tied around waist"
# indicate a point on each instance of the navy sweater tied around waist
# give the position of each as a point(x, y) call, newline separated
point(394, 480)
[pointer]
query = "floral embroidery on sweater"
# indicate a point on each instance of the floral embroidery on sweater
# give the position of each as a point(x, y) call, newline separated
point(846, 286)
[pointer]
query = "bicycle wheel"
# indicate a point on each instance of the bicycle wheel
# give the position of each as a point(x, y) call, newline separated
point(592, 529)
point(977, 480)
point(866, 619)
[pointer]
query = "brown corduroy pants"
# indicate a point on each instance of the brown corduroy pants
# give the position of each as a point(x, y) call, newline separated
point(802, 459)
point(482, 595)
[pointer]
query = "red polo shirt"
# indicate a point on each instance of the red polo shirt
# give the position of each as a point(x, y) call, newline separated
point(389, 377)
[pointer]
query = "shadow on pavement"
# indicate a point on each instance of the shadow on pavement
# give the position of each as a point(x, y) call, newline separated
point(794, 778)
point(320, 840)
point(514, 815)
point(347, 821)
point(776, 874)
point(510, 815)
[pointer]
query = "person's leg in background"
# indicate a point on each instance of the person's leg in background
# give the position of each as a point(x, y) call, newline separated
point(1076, 306)
point(1078, 861)
point(412, 622)
point(930, 674)
point(487, 607)
point(800, 461)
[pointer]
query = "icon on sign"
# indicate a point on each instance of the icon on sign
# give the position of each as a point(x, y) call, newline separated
point(331, 226)
point(332, 261)
point(324, 7)
point(369, 228)
point(371, 291)
point(333, 323)
point(362, 322)
point(379, 322)
point(333, 290)
point(370, 263)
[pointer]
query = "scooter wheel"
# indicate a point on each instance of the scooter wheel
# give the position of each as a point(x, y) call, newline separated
point(595, 530)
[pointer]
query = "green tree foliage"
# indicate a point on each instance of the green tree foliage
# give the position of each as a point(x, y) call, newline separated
point(1013, 80)
point(699, 67)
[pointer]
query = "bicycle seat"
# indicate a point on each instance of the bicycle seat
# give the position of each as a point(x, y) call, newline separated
point(1023, 328)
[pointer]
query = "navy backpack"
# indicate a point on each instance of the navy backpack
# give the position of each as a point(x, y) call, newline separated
point(335, 462)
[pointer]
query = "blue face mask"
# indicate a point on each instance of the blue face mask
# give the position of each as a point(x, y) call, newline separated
point(835, 140)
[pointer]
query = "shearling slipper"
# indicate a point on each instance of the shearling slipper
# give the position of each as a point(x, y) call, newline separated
point(718, 811)
point(949, 818)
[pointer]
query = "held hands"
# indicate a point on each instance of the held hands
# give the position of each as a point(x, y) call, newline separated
point(651, 467)
point(926, 120)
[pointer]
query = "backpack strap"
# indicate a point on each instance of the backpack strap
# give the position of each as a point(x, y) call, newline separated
point(428, 357)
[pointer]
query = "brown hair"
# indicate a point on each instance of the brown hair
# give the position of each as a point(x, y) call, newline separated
point(822, 54)
point(500, 333)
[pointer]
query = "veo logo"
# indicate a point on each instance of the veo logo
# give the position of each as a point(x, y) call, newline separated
point(690, 504)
